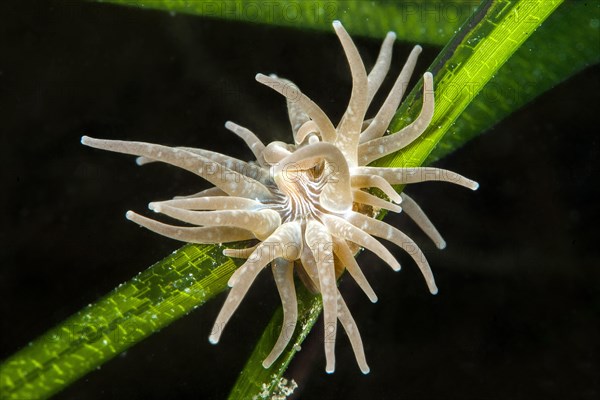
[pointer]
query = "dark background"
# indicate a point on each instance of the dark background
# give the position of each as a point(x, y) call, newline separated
point(517, 312)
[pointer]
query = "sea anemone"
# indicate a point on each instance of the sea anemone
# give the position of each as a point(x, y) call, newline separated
point(308, 204)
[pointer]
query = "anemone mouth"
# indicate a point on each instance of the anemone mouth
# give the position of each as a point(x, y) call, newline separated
point(300, 192)
point(308, 204)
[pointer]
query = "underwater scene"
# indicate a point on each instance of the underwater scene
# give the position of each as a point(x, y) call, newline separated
point(516, 315)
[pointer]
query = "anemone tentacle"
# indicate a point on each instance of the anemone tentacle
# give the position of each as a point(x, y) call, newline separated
point(383, 117)
point(283, 272)
point(226, 179)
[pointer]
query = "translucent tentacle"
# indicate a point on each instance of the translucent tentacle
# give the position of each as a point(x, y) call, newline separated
point(350, 126)
point(292, 93)
point(239, 253)
point(375, 181)
point(262, 223)
point(388, 232)
point(386, 112)
point(415, 212)
point(230, 181)
point(381, 67)
point(213, 191)
point(208, 235)
point(382, 146)
point(344, 254)
point(283, 272)
point(211, 203)
point(343, 229)
point(252, 171)
point(320, 243)
point(374, 201)
point(351, 329)
point(251, 140)
point(418, 174)
point(296, 114)
point(244, 276)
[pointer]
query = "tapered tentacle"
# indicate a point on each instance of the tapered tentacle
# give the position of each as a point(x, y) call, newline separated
point(388, 232)
point(296, 114)
point(244, 276)
point(419, 174)
point(252, 171)
point(292, 93)
point(262, 223)
point(208, 234)
point(374, 201)
point(283, 272)
point(351, 329)
point(415, 212)
point(240, 253)
point(382, 146)
point(336, 195)
point(381, 67)
point(211, 203)
point(320, 243)
point(230, 181)
point(251, 140)
point(342, 229)
point(374, 181)
point(350, 126)
point(386, 112)
point(344, 254)
point(213, 191)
